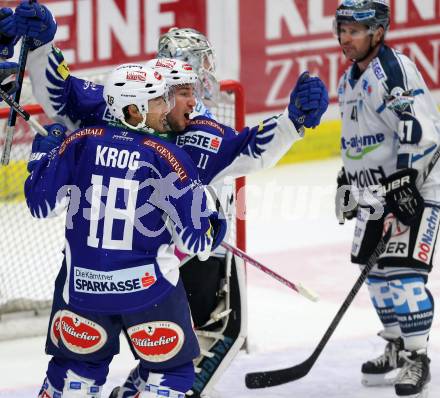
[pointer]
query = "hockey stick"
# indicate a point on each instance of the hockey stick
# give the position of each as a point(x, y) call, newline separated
point(281, 376)
point(22, 112)
point(307, 293)
point(9, 134)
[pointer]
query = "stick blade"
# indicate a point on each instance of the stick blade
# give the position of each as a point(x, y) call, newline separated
point(307, 293)
point(273, 378)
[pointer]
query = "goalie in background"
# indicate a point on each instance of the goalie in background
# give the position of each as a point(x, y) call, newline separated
point(390, 129)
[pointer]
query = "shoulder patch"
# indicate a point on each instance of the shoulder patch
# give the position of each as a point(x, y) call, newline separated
point(377, 69)
point(166, 154)
point(62, 68)
point(199, 122)
point(80, 134)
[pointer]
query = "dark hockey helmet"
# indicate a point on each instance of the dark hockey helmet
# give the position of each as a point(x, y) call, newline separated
point(371, 13)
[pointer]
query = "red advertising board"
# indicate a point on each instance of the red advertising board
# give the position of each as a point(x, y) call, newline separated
point(276, 39)
point(99, 33)
point(281, 38)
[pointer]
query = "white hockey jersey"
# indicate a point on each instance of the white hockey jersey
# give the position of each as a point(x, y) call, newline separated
point(389, 122)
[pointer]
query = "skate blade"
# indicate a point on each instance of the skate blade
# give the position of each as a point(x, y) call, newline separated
point(379, 380)
point(422, 394)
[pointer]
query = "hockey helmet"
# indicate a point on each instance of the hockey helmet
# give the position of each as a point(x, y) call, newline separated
point(175, 71)
point(133, 84)
point(371, 13)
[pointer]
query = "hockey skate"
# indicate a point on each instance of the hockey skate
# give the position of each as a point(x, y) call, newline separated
point(130, 386)
point(414, 377)
point(382, 370)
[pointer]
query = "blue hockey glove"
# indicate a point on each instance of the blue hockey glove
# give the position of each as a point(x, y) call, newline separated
point(402, 196)
point(36, 22)
point(43, 145)
point(308, 101)
point(7, 78)
point(8, 30)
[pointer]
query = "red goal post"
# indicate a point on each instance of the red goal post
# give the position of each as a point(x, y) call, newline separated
point(28, 270)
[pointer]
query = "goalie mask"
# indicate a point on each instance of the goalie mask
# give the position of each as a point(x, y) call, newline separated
point(191, 46)
point(132, 84)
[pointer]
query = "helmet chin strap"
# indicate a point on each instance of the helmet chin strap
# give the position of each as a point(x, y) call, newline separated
point(140, 125)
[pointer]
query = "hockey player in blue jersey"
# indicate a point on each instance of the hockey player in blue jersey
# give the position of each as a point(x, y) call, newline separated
point(132, 197)
point(216, 293)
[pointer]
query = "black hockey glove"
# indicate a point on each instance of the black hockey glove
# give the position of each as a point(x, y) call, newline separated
point(402, 196)
point(345, 204)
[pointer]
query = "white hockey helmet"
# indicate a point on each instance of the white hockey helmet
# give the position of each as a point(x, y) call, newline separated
point(133, 84)
point(192, 46)
point(175, 71)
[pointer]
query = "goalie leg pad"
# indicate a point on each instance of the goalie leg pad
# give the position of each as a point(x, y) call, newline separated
point(222, 337)
point(202, 281)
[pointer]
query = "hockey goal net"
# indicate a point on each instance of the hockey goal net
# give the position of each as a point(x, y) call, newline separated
point(31, 249)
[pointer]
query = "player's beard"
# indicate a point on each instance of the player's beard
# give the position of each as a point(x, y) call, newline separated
point(365, 54)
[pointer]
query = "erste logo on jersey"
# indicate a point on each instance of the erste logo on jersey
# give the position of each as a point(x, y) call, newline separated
point(81, 335)
point(200, 139)
point(127, 280)
point(156, 341)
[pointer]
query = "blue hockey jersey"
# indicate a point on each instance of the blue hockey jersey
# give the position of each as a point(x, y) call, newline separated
point(216, 149)
point(127, 193)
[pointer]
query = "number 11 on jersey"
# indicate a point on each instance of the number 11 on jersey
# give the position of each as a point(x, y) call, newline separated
point(203, 161)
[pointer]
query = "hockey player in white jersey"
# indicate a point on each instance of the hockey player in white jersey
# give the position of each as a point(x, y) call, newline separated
point(390, 130)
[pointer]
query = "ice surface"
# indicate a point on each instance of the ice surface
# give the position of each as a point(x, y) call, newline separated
point(292, 229)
